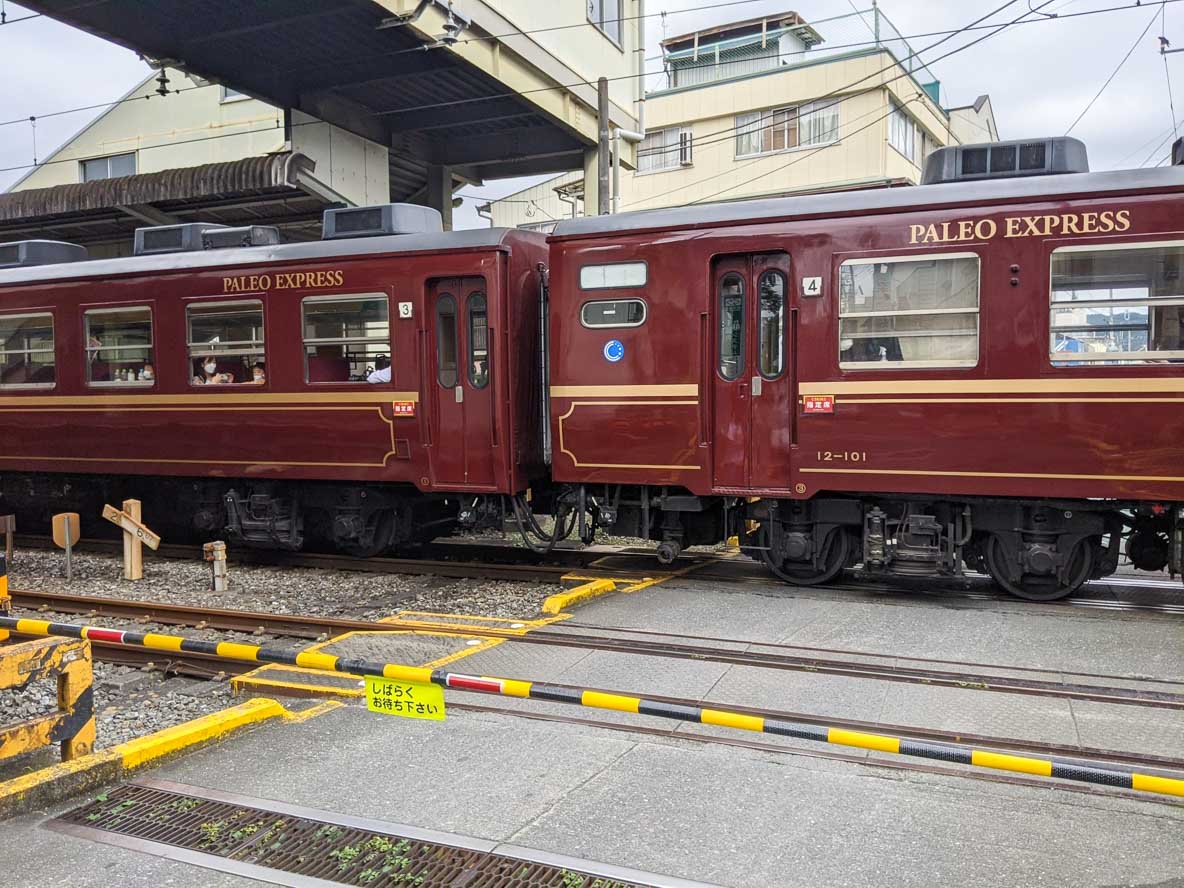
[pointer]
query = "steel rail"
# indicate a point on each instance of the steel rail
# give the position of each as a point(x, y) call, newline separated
point(958, 752)
point(803, 660)
point(474, 560)
point(855, 759)
point(210, 666)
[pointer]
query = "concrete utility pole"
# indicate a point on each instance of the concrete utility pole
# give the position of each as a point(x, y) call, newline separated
point(602, 159)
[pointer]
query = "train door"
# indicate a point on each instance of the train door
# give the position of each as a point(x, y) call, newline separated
point(753, 387)
point(459, 354)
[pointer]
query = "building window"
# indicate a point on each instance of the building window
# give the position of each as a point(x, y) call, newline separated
point(108, 167)
point(731, 326)
point(478, 341)
point(613, 275)
point(1117, 305)
point(771, 292)
point(605, 313)
point(606, 15)
point(230, 94)
point(902, 132)
point(343, 336)
point(665, 149)
point(909, 312)
point(226, 342)
point(119, 347)
point(782, 129)
point(446, 341)
point(26, 351)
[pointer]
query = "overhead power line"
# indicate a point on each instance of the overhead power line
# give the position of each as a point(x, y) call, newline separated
point(1114, 73)
point(857, 44)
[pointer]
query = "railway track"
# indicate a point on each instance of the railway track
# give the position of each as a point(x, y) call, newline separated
point(499, 561)
point(1115, 689)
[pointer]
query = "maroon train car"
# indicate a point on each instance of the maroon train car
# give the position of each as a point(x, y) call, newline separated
point(986, 373)
point(232, 383)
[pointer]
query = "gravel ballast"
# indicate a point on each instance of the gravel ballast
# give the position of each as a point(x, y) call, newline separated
point(279, 590)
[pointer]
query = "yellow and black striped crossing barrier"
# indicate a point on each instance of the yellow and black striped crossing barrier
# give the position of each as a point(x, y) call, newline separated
point(509, 687)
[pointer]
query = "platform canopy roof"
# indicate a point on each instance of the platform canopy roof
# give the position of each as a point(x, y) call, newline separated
point(277, 189)
point(354, 64)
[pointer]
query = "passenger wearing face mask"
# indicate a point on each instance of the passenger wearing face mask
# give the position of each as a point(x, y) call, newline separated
point(258, 373)
point(209, 372)
point(148, 374)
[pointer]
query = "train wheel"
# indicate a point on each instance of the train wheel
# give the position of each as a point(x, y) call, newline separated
point(835, 552)
point(379, 542)
point(1036, 587)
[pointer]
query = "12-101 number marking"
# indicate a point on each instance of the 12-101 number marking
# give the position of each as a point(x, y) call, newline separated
point(842, 456)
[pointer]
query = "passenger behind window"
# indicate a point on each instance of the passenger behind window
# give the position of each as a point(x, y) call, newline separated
point(259, 373)
point(207, 372)
point(382, 370)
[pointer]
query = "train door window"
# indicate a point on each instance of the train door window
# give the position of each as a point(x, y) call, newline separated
point(1117, 305)
point(225, 342)
point(26, 351)
point(478, 341)
point(771, 293)
point(731, 326)
point(344, 336)
point(446, 363)
point(603, 313)
point(119, 347)
point(909, 312)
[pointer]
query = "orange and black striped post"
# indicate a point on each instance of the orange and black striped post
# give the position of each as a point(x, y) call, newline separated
point(509, 687)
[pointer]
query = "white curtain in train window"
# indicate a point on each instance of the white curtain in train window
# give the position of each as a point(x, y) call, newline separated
point(900, 311)
point(1117, 305)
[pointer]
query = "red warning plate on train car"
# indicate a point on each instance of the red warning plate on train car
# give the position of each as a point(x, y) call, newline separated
point(403, 408)
point(818, 404)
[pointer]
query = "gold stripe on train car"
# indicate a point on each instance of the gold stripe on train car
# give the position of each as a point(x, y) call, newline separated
point(1081, 385)
point(248, 399)
point(950, 474)
point(688, 390)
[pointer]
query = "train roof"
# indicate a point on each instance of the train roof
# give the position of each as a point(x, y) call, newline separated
point(884, 200)
point(469, 239)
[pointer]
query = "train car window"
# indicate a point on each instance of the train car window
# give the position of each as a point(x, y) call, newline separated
point(771, 292)
point(1117, 305)
point(613, 275)
point(119, 347)
point(908, 311)
point(226, 343)
point(613, 313)
point(478, 341)
point(26, 351)
point(731, 326)
point(446, 364)
point(344, 336)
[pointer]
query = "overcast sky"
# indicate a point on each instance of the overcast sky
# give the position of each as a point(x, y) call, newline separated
point(1039, 76)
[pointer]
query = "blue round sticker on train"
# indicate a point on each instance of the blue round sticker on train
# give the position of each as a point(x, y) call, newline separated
point(614, 350)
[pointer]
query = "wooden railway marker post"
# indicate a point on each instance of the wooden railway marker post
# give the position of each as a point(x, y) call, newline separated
point(135, 537)
point(8, 528)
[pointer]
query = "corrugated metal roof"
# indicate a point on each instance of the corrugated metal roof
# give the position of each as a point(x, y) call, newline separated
point(251, 175)
point(879, 200)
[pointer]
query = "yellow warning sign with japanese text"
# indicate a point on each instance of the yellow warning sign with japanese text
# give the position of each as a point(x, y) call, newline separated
point(406, 698)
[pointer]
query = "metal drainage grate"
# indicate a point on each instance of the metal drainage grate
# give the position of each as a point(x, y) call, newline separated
point(313, 849)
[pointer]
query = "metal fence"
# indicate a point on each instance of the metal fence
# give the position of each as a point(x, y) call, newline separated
point(789, 47)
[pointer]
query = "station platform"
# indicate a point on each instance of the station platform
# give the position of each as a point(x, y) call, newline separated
point(669, 798)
